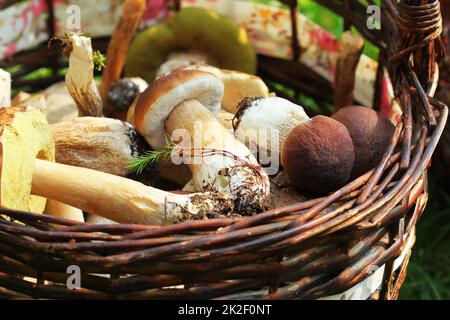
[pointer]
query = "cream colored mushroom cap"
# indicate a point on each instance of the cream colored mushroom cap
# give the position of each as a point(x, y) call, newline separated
point(155, 104)
point(238, 85)
point(273, 115)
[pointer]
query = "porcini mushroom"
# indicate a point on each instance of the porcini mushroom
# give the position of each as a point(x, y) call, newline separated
point(103, 144)
point(113, 197)
point(80, 76)
point(191, 32)
point(187, 100)
point(24, 136)
point(110, 145)
point(261, 120)
point(237, 85)
point(318, 155)
point(371, 133)
point(34, 105)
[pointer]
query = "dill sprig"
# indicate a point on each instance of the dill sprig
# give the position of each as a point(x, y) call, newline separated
point(140, 163)
point(99, 60)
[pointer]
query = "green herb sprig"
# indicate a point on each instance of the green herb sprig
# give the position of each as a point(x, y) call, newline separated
point(140, 163)
point(99, 60)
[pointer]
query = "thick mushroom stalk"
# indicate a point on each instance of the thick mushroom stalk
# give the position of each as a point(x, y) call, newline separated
point(102, 144)
point(266, 122)
point(80, 76)
point(183, 105)
point(25, 140)
point(120, 199)
point(110, 145)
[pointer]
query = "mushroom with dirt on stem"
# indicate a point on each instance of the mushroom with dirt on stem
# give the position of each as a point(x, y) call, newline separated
point(182, 105)
point(10, 188)
point(109, 145)
point(24, 145)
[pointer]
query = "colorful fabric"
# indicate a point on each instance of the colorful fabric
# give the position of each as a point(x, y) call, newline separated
point(23, 26)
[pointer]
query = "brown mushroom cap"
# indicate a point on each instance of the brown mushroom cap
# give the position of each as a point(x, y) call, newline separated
point(370, 132)
point(155, 104)
point(318, 155)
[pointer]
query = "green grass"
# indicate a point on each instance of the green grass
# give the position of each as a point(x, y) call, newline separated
point(429, 269)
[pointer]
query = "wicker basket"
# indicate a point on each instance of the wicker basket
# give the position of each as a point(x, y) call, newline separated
point(354, 243)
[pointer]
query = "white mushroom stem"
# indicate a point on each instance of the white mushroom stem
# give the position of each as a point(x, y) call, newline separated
point(62, 210)
point(267, 122)
point(5, 89)
point(103, 144)
point(95, 219)
point(230, 168)
point(80, 77)
point(120, 199)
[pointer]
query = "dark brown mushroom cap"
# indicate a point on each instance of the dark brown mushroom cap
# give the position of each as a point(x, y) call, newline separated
point(371, 133)
point(318, 155)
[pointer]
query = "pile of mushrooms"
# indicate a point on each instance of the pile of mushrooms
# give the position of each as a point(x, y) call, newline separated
point(68, 150)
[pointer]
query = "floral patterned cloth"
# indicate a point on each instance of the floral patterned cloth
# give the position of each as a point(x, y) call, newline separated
point(23, 26)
